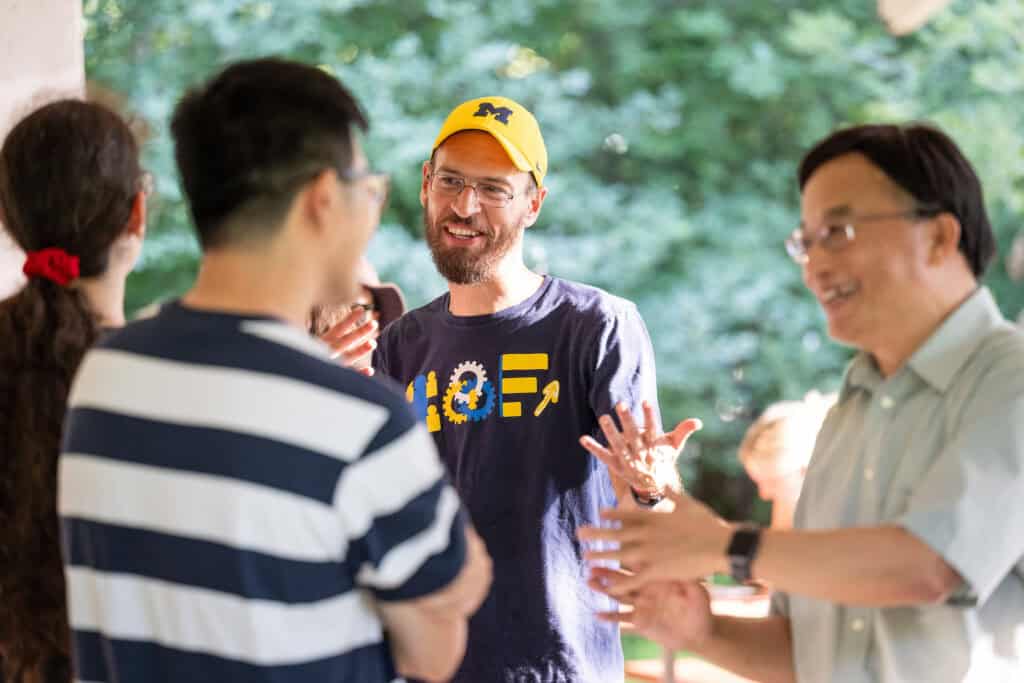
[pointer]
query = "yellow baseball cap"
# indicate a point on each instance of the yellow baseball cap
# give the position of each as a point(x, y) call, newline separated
point(511, 124)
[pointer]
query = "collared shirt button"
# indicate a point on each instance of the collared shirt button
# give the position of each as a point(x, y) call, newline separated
point(869, 473)
point(857, 625)
point(887, 402)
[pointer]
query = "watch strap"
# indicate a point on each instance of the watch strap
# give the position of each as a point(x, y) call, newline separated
point(646, 501)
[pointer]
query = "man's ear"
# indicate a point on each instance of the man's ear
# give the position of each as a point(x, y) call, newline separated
point(945, 237)
point(318, 199)
point(425, 184)
point(536, 202)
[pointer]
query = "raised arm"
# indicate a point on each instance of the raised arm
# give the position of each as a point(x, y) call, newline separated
point(868, 566)
point(624, 381)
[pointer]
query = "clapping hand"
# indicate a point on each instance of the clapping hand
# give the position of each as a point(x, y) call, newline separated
point(687, 543)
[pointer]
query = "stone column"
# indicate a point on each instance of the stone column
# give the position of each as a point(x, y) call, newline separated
point(41, 59)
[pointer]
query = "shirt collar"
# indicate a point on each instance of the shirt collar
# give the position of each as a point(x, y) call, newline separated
point(955, 340)
point(861, 373)
point(942, 355)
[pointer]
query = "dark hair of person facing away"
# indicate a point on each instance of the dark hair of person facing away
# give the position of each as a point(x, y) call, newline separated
point(247, 140)
point(928, 165)
point(69, 174)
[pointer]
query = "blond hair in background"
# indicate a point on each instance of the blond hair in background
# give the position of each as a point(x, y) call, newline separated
point(777, 447)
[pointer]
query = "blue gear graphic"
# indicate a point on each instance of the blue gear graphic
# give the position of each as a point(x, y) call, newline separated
point(483, 411)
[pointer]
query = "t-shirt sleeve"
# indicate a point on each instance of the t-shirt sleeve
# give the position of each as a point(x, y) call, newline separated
point(404, 522)
point(624, 368)
point(968, 506)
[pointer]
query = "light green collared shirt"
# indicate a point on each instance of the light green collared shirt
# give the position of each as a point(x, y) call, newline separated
point(937, 448)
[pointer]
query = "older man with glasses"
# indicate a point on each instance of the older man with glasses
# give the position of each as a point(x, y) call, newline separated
point(906, 561)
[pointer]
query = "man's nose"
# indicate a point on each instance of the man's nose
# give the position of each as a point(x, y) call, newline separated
point(466, 203)
point(817, 265)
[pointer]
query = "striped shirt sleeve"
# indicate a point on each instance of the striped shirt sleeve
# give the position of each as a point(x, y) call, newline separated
point(404, 521)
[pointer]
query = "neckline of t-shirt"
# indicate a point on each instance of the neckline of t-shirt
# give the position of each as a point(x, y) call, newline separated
point(270, 327)
point(177, 307)
point(491, 318)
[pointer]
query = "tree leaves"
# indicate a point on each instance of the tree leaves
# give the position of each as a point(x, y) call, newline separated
point(674, 130)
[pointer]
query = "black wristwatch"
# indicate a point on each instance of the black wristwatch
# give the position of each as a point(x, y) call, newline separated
point(742, 550)
point(646, 501)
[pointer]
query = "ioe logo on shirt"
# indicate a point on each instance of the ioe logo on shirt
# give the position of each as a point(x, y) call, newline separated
point(471, 396)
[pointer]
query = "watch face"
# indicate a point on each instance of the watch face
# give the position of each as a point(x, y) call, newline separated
point(741, 552)
point(744, 541)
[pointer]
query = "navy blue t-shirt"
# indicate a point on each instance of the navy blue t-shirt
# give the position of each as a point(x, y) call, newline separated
point(506, 397)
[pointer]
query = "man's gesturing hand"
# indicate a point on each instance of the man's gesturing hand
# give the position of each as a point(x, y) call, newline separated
point(645, 458)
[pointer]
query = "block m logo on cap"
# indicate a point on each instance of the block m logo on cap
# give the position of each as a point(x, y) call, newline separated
point(499, 113)
point(512, 125)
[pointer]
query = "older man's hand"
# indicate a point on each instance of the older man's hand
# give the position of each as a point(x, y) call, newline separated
point(674, 614)
point(687, 543)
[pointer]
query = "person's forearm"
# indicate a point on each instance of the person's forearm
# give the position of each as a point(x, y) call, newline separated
point(760, 649)
point(428, 634)
point(462, 597)
point(869, 566)
point(428, 647)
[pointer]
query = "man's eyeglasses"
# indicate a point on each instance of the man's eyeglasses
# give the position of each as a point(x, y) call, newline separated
point(838, 234)
point(488, 194)
point(377, 184)
point(278, 181)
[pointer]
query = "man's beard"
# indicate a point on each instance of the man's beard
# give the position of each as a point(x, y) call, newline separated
point(461, 265)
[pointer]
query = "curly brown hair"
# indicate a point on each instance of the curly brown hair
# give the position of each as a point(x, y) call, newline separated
point(69, 174)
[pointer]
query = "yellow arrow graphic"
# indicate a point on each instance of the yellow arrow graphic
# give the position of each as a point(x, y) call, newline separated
point(550, 396)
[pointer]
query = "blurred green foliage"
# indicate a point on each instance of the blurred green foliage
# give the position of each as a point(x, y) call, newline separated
point(674, 130)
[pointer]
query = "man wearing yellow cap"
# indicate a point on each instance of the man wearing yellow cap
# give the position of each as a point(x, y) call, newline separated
point(507, 369)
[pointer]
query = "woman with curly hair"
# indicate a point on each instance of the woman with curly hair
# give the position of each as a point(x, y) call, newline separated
point(73, 197)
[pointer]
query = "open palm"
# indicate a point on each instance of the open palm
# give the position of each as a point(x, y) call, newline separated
point(643, 457)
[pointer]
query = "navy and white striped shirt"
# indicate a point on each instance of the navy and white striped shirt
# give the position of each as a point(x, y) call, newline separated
point(233, 503)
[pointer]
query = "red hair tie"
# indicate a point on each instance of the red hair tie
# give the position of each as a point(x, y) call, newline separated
point(52, 263)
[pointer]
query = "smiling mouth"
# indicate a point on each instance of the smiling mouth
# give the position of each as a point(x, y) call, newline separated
point(461, 233)
point(838, 293)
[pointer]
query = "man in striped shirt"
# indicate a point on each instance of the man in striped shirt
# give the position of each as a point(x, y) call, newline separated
point(235, 505)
